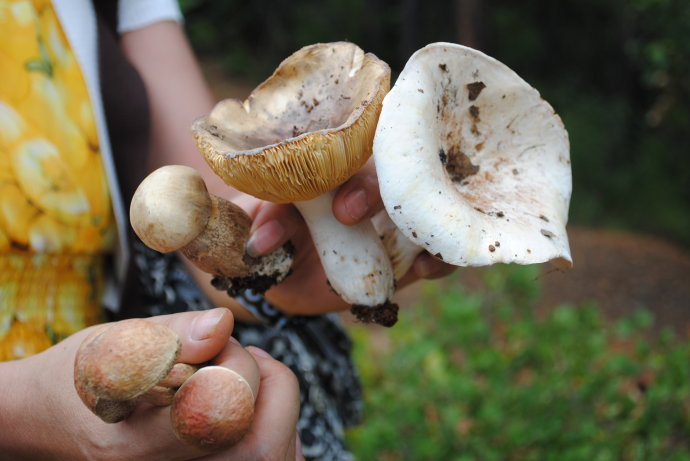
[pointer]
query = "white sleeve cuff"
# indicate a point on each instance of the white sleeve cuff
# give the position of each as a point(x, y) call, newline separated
point(134, 14)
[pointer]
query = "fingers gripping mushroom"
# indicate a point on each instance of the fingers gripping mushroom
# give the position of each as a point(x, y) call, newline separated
point(135, 360)
point(298, 136)
point(172, 210)
point(473, 164)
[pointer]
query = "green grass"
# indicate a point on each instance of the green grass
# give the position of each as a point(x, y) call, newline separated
point(469, 377)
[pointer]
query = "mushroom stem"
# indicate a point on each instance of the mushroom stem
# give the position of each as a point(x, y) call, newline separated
point(172, 210)
point(163, 392)
point(353, 257)
point(401, 250)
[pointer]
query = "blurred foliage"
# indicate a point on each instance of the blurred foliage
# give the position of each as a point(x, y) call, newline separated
point(465, 377)
point(615, 70)
point(617, 73)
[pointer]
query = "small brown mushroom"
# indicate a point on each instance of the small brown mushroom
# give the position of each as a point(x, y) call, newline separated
point(172, 210)
point(133, 361)
point(213, 409)
point(118, 363)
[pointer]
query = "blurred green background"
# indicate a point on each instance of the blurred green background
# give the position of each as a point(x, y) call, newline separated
point(483, 374)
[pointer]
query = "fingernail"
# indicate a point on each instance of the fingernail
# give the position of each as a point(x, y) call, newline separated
point(356, 204)
point(205, 325)
point(265, 239)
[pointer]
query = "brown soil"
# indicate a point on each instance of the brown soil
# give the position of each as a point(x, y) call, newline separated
point(622, 272)
point(618, 271)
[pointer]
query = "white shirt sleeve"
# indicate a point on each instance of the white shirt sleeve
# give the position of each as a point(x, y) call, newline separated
point(134, 14)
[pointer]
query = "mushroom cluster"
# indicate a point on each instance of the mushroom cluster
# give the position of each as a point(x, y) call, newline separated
point(473, 167)
point(122, 364)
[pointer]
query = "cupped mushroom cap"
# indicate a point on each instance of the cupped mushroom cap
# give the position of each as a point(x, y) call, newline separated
point(304, 130)
point(473, 165)
point(170, 208)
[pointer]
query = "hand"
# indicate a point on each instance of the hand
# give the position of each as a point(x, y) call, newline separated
point(306, 290)
point(41, 417)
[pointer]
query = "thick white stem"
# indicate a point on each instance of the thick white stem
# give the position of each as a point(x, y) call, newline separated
point(401, 250)
point(353, 257)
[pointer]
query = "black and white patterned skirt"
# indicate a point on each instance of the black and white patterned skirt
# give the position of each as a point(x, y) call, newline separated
point(316, 348)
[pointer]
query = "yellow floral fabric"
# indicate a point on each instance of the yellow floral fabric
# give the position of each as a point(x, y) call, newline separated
point(56, 220)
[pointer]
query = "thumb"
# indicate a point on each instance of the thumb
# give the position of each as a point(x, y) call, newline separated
point(203, 334)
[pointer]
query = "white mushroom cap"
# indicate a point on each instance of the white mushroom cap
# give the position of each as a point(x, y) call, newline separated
point(473, 165)
point(170, 208)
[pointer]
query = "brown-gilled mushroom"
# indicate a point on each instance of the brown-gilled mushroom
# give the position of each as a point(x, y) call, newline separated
point(473, 165)
point(172, 210)
point(300, 134)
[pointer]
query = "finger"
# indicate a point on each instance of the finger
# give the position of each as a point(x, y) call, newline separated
point(359, 197)
point(203, 334)
point(273, 431)
point(239, 360)
point(272, 226)
point(426, 266)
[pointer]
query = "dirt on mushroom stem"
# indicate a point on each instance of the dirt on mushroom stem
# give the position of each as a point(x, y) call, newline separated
point(257, 282)
point(384, 314)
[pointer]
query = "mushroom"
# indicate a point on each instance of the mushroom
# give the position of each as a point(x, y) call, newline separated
point(162, 394)
point(172, 210)
point(118, 363)
point(213, 409)
point(473, 165)
point(134, 360)
point(300, 134)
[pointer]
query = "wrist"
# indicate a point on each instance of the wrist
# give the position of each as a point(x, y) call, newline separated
point(17, 414)
point(38, 406)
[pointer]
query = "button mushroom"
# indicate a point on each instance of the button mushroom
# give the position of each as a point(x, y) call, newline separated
point(172, 210)
point(300, 134)
point(473, 165)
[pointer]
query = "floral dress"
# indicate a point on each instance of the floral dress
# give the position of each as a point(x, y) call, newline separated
point(56, 220)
